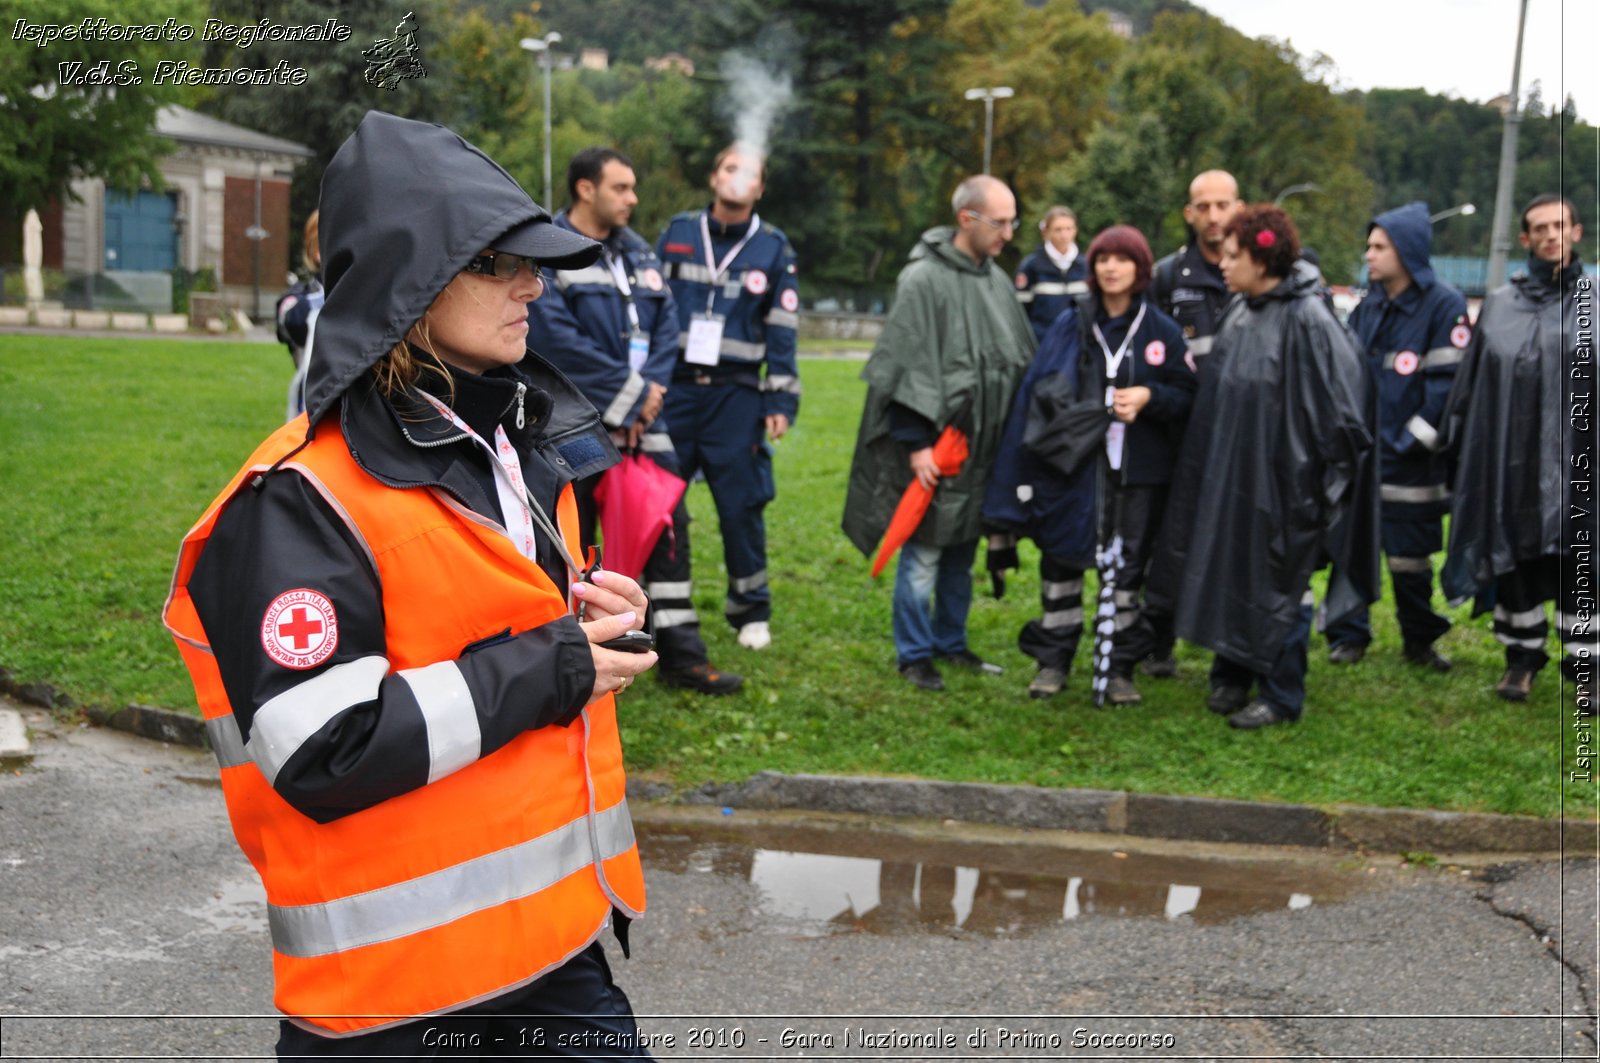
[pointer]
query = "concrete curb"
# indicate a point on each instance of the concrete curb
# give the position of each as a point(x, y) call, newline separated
point(1166, 816)
point(1176, 818)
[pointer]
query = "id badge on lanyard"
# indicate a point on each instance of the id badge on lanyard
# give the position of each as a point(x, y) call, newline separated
point(638, 350)
point(705, 340)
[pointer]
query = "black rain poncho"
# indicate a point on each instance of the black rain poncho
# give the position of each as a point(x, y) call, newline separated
point(1277, 476)
point(1516, 425)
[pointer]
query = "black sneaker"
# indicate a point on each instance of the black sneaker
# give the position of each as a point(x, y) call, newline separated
point(1227, 699)
point(702, 678)
point(1121, 691)
point(922, 674)
point(1427, 657)
point(1256, 715)
point(968, 659)
point(1516, 684)
point(1160, 667)
point(1347, 653)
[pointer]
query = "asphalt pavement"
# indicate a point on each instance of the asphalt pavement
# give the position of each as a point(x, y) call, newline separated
point(131, 927)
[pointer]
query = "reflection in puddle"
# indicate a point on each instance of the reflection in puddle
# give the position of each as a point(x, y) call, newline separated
point(824, 880)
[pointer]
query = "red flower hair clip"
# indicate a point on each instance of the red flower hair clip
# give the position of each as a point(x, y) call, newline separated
point(1266, 238)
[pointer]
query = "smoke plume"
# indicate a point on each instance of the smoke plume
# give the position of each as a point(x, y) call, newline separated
point(755, 97)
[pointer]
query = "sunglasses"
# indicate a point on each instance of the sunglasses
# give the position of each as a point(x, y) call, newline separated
point(502, 265)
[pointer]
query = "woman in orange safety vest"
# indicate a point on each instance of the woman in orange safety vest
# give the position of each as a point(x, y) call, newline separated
point(398, 654)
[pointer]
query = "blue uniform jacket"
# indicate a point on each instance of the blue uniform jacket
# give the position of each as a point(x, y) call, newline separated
point(757, 298)
point(1044, 291)
point(1413, 344)
point(1028, 496)
point(1157, 358)
point(581, 325)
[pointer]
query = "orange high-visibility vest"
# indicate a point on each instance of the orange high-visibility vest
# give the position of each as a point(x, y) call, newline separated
point(468, 886)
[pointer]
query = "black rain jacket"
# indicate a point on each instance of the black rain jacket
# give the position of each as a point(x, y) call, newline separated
point(1277, 476)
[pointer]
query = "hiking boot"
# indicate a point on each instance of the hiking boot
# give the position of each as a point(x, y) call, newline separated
point(703, 679)
point(1225, 699)
point(1427, 657)
point(922, 674)
point(968, 659)
point(1121, 691)
point(1516, 684)
point(1160, 667)
point(1347, 653)
point(1047, 683)
point(1256, 715)
point(755, 635)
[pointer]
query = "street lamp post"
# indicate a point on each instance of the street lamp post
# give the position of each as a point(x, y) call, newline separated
point(1464, 208)
point(541, 46)
point(1499, 234)
point(988, 96)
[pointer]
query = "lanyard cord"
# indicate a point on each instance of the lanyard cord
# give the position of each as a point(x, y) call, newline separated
point(1114, 361)
point(711, 262)
point(619, 272)
point(508, 468)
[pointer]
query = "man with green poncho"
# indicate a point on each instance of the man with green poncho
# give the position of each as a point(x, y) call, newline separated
point(952, 351)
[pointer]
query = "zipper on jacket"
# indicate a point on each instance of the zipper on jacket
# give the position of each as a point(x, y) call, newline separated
point(522, 390)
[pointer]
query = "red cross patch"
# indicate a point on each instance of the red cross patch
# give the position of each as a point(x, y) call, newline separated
point(789, 299)
point(1155, 353)
point(1022, 280)
point(300, 629)
point(1460, 336)
point(1405, 363)
point(755, 282)
point(651, 278)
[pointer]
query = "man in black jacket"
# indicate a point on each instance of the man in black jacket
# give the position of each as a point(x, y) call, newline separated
point(1521, 421)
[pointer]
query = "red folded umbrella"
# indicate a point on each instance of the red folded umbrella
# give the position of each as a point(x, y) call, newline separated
point(635, 499)
point(948, 452)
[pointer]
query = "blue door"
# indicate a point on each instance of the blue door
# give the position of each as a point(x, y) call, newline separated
point(139, 232)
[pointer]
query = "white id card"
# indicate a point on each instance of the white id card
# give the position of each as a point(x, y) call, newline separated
point(705, 341)
point(1114, 435)
point(638, 351)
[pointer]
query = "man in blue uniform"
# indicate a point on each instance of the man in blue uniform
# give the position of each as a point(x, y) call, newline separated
point(611, 327)
point(1413, 328)
point(736, 384)
point(1053, 276)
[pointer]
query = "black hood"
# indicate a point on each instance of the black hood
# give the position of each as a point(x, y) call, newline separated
point(405, 205)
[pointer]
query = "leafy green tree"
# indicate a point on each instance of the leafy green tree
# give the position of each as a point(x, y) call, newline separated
point(1059, 62)
point(57, 132)
point(1124, 175)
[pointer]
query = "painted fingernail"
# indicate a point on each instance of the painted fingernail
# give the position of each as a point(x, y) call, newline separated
point(628, 618)
point(580, 589)
point(598, 575)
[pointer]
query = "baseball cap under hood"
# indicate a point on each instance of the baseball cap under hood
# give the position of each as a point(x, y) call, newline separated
point(405, 205)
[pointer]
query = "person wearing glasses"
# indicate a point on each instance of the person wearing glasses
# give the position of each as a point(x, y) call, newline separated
point(612, 328)
point(736, 387)
point(952, 351)
point(407, 673)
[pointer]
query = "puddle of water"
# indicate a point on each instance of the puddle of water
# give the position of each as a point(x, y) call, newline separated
point(827, 880)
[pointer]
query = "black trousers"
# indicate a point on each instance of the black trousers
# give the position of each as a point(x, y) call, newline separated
point(1052, 639)
point(574, 1012)
point(1520, 624)
point(666, 580)
point(1409, 543)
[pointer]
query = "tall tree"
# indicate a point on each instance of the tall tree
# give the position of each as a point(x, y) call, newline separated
point(64, 115)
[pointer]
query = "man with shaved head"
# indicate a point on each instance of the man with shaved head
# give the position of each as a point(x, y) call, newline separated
point(954, 347)
point(1188, 286)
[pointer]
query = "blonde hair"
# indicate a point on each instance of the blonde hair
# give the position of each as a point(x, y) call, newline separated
point(398, 371)
point(310, 249)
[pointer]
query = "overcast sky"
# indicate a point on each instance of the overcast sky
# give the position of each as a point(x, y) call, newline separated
point(1460, 48)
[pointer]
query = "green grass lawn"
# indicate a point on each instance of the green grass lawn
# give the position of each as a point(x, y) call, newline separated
point(110, 449)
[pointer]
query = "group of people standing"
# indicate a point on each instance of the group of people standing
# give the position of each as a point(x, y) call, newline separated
point(1206, 434)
